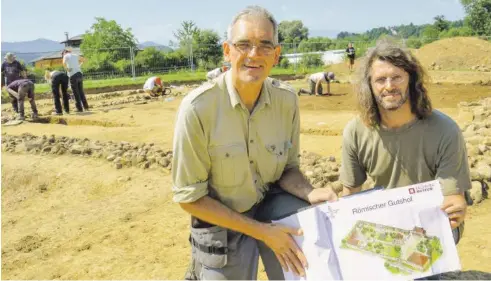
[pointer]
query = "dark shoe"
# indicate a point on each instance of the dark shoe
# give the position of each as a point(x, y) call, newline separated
point(34, 116)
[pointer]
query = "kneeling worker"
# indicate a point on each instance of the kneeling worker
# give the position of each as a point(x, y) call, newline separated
point(315, 82)
point(154, 87)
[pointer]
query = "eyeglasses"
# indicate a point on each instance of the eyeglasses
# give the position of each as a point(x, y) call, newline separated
point(382, 81)
point(261, 48)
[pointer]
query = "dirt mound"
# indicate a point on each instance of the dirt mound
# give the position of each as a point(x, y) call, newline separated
point(458, 53)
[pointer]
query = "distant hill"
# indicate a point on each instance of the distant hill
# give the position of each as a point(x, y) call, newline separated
point(28, 50)
point(158, 46)
point(34, 46)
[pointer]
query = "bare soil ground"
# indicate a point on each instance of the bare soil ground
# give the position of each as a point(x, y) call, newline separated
point(75, 217)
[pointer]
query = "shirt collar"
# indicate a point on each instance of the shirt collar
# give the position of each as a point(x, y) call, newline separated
point(264, 97)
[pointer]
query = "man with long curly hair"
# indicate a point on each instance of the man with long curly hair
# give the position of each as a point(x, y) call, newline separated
point(398, 139)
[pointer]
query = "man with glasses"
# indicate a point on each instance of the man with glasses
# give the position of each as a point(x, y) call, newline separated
point(398, 139)
point(236, 161)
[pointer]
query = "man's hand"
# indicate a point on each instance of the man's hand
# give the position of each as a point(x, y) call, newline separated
point(277, 237)
point(455, 206)
point(319, 195)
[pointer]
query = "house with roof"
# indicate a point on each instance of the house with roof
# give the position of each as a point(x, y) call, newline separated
point(418, 260)
point(55, 59)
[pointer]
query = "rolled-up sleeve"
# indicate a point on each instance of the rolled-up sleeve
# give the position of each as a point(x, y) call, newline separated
point(293, 158)
point(452, 165)
point(191, 161)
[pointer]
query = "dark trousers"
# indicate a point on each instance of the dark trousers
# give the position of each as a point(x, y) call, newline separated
point(240, 260)
point(312, 88)
point(15, 103)
point(60, 80)
point(24, 90)
point(76, 82)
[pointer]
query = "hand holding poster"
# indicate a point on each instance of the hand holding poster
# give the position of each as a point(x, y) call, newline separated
point(392, 234)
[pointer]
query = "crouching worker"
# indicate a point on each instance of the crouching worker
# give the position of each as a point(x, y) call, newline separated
point(315, 82)
point(18, 90)
point(59, 79)
point(154, 87)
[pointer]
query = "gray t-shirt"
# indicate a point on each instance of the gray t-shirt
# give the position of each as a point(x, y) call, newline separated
point(423, 150)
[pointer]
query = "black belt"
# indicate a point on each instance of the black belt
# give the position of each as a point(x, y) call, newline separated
point(209, 249)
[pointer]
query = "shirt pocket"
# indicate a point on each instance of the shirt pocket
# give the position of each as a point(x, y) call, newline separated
point(229, 166)
point(278, 156)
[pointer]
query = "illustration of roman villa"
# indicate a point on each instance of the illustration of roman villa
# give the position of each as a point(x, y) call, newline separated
point(405, 251)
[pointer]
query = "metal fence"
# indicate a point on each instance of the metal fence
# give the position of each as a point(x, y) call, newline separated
point(133, 62)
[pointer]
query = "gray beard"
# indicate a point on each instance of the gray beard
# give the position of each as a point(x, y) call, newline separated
point(392, 106)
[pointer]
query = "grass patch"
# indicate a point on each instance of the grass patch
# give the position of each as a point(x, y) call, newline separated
point(181, 76)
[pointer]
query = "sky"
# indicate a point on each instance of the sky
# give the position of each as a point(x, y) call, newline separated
point(156, 20)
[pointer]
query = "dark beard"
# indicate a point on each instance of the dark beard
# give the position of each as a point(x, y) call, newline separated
point(391, 107)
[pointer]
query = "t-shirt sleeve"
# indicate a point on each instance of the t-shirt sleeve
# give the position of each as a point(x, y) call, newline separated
point(191, 162)
point(452, 165)
point(352, 172)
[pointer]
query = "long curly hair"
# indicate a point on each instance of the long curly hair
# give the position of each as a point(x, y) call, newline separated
point(390, 52)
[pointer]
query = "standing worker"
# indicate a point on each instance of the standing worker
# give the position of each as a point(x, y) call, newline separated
point(12, 70)
point(72, 66)
point(350, 53)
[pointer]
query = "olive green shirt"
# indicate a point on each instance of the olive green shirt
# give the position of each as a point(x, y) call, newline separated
point(222, 150)
point(423, 150)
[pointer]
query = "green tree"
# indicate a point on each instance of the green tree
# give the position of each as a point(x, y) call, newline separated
point(479, 16)
point(311, 60)
point(186, 33)
point(150, 58)
point(208, 49)
point(185, 37)
point(292, 31)
point(284, 63)
point(108, 36)
point(430, 34)
point(440, 23)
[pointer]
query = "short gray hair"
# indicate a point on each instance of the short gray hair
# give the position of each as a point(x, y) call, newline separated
point(254, 11)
